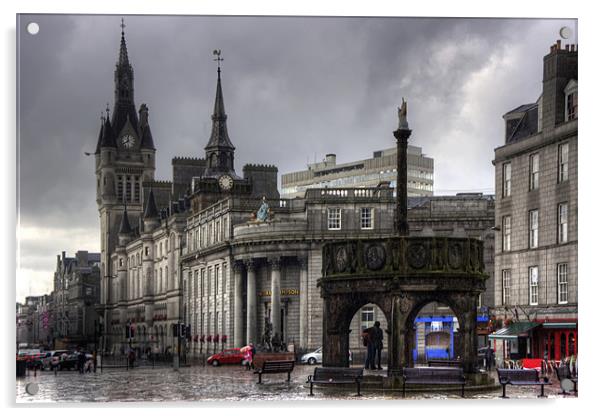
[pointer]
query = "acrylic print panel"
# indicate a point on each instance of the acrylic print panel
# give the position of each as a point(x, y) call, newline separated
point(245, 199)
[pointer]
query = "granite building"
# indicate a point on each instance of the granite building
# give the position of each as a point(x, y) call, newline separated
point(76, 289)
point(367, 173)
point(143, 220)
point(536, 218)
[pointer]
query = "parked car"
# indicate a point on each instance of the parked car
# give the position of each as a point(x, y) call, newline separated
point(316, 357)
point(56, 357)
point(229, 356)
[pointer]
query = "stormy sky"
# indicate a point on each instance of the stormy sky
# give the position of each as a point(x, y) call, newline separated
point(294, 90)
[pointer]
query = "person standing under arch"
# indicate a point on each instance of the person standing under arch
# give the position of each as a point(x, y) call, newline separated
point(377, 333)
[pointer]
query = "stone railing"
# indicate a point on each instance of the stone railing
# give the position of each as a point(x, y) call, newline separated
point(403, 255)
point(347, 193)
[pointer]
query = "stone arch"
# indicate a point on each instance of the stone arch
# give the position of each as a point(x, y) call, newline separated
point(339, 311)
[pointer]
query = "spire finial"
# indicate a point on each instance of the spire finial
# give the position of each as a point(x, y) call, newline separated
point(122, 27)
point(218, 54)
point(107, 110)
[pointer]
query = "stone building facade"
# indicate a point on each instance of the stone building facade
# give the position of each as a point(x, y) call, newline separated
point(536, 180)
point(232, 281)
point(367, 173)
point(143, 220)
point(76, 291)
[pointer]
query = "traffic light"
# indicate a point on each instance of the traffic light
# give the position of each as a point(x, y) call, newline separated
point(127, 331)
point(174, 330)
point(188, 333)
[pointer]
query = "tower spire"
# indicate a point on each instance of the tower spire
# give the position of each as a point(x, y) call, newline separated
point(219, 151)
point(124, 89)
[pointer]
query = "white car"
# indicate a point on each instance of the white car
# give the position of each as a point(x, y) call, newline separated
point(315, 357)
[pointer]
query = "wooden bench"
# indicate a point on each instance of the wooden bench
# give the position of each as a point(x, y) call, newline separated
point(520, 377)
point(444, 363)
point(564, 373)
point(433, 375)
point(335, 375)
point(274, 367)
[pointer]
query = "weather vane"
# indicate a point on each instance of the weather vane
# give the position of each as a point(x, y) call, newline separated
point(218, 53)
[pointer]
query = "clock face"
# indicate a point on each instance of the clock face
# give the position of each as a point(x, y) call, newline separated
point(127, 141)
point(226, 182)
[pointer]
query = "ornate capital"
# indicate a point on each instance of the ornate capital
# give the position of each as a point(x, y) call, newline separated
point(250, 264)
point(302, 262)
point(237, 266)
point(275, 263)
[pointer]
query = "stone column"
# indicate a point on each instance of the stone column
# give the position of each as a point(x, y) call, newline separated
point(303, 299)
point(251, 302)
point(335, 340)
point(401, 214)
point(238, 316)
point(395, 345)
point(468, 334)
point(275, 264)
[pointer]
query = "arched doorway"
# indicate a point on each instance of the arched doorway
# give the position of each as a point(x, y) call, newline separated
point(366, 317)
point(435, 333)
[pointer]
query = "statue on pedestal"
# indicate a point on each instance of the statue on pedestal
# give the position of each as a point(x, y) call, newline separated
point(263, 211)
point(402, 114)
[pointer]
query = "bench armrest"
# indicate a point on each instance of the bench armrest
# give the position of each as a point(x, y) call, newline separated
point(310, 378)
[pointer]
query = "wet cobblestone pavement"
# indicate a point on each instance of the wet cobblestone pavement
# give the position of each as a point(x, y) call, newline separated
point(226, 383)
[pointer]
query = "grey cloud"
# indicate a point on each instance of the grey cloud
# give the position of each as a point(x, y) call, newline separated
point(293, 87)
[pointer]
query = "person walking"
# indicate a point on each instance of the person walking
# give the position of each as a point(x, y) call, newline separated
point(81, 360)
point(488, 358)
point(378, 343)
point(368, 341)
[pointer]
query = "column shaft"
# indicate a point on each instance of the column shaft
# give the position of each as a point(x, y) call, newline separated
point(238, 316)
point(251, 303)
point(276, 318)
point(303, 299)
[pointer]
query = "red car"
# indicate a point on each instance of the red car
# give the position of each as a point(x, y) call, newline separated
point(230, 356)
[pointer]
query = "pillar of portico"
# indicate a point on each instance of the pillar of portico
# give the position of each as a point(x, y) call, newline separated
point(303, 299)
point(238, 301)
point(251, 302)
point(275, 264)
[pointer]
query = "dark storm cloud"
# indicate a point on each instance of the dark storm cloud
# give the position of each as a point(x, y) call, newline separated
point(294, 89)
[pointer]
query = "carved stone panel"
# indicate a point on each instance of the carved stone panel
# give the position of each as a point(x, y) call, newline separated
point(417, 255)
point(454, 255)
point(374, 257)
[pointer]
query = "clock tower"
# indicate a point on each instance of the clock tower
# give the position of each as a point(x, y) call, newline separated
point(125, 159)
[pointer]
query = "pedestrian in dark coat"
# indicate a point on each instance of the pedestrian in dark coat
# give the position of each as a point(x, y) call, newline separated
point(378, 343)
point(368, 341)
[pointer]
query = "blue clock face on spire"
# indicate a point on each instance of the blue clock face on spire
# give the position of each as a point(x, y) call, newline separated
point(127, 141)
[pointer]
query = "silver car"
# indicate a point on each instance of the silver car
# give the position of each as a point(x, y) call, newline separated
point(315, 357)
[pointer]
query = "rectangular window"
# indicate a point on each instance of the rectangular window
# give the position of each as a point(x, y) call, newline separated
point(506, 285)
point(507, 232)
point(366, 222)
point(563, 162)
point(203, 235)
point(136, 188)
point(209, 277)
point(128, 188)
point(533, 228)
point(563, 284)
point(367, 317)
point(571, 106)
point(120, 188)
point(534, 171)
point(533, 285)
point(196, 285)
point(563, 222)
point(217, 277)
point(203, 283)
point(334, 218)
point(507, 179)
